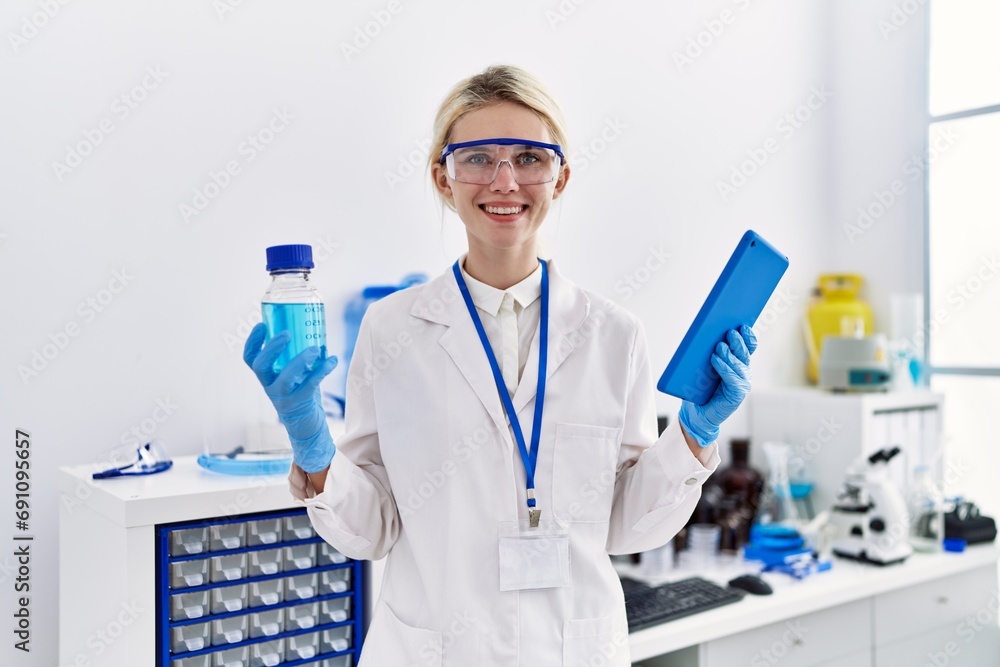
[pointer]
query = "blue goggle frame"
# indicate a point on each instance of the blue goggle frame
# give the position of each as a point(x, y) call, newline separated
point(503, 141)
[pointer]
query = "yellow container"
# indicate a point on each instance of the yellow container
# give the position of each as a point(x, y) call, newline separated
point(837, 311)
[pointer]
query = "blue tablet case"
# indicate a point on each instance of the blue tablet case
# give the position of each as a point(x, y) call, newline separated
point(738, 297)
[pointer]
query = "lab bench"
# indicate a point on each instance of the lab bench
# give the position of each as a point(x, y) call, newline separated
point(190, 568)
point(933, 609)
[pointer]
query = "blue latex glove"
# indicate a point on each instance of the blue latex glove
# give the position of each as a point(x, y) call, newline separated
point(731, 361)
point(295, 395)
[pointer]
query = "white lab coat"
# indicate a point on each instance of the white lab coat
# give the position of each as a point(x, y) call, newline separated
point(427, 468)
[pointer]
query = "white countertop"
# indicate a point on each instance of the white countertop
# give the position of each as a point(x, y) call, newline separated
point(845, 582)
point(177, 494)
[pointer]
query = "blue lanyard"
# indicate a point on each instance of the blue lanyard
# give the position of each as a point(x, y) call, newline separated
point(528, 457)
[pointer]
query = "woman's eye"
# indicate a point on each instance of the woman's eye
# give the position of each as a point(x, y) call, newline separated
point(529, 158)
point(476, 158)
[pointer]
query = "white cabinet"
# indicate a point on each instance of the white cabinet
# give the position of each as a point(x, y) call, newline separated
point(810, 640)
point(828, 432)
point(949, 621)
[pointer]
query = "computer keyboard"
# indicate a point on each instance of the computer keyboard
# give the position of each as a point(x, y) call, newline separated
point(651, 605)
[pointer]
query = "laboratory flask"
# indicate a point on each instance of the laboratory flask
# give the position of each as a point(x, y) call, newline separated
point(292, 303)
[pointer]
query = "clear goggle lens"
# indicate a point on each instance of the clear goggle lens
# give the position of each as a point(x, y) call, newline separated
point(481, 164)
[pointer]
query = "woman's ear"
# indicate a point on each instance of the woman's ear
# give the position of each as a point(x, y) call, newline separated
point(561, 182)
point(440, 178)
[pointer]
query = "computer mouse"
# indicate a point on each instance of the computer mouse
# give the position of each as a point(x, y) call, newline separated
point(751, 584)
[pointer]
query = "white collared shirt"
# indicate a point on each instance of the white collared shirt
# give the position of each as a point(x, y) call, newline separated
point(510, 319)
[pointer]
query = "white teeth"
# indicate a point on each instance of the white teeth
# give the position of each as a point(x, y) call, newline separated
point(505, 210)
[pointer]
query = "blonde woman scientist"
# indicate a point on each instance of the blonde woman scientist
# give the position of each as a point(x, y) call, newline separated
point(509, 443)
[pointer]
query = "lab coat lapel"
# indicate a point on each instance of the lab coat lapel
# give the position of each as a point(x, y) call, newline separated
point(441, 301)
point(568, 308)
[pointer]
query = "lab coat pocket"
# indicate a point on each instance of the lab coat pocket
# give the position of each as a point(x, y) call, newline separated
point(583, 471)
point(594, 641)
point(391, 642)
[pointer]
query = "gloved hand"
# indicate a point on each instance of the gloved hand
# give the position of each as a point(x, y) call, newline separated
point(295, 395)
point(732, 362)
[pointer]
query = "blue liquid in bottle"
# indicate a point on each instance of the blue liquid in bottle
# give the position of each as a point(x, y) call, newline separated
point(306, 322)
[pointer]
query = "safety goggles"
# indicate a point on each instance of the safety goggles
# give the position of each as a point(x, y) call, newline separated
point(478, 162)
point(147, 459)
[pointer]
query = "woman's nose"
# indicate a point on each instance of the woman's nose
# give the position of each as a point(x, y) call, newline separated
point(504, 180)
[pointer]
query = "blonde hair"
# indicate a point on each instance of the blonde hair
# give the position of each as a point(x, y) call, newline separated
point(496, 84)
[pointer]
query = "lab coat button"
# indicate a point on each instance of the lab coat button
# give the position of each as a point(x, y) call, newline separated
point(690, 480)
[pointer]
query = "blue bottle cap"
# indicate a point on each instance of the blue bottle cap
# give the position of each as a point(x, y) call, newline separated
point(281, 257)
point(954, 544)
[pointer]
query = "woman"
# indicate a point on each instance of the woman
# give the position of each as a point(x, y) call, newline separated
point(500, 430)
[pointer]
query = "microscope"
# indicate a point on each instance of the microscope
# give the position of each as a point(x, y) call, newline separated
point(870, 517)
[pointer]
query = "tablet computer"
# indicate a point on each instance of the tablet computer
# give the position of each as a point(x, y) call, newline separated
point(738, 297)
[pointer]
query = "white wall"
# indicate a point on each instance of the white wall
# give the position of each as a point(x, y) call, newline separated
point(168, 335)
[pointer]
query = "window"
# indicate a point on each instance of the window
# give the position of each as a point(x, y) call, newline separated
point(963, 238)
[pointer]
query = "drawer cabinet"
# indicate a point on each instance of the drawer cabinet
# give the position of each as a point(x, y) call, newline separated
point(810, 640)
point(942, 602)
point(255, 591)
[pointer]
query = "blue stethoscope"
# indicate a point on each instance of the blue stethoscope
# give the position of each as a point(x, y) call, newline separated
point(528, 457)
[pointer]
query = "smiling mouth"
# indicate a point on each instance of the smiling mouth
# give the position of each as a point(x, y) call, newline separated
point(503, 210)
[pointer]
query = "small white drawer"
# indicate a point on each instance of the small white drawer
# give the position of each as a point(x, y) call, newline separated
point(228, 536)
point(229, 598)
point(328, 555)
point(229, 568)
point(187, 573)
point(804, 641)
point(188, 605)
point(263, 531)
point(267, 654)
point(335, 581)
point(303, 617)
point(263, 593)
point(198, 661)
point(298, 527)
point(299, 557)
point(192, 637)
point(188, 542)
point(266, 561)
point(234, 657)
point(301, 586)
point(267, 623)
point(230, 630)
point(302, 647)
point(336, 610)
point(335, 639)
point(913, 610)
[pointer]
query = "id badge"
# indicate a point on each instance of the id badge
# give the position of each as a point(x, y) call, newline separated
point(534, 557)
